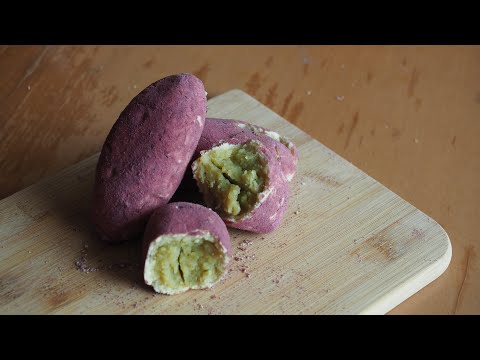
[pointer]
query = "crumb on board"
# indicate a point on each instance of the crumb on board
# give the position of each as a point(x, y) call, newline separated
point(197, 306)
point(81, 265)
point(340, 97)
point(309, 92)
point(244, 244)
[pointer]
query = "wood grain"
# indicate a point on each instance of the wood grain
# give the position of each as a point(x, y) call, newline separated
point(417, 129)
point(348, 245)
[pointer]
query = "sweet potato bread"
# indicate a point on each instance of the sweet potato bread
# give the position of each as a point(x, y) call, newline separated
point(218, 131)
point(185, 246)
point(244, 184)
point(145, 155)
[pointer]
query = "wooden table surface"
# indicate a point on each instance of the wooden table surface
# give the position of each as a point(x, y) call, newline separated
point(409, 116)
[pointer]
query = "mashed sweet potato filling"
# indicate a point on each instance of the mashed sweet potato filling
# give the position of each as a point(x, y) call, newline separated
point(178, 262)
point(231, 177)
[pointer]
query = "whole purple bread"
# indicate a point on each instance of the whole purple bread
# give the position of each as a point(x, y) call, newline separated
point(145, 155)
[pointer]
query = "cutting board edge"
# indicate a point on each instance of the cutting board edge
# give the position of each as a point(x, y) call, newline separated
point(414, 283)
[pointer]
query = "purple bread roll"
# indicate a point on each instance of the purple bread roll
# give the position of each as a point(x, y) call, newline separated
point(145, 155)
point(185, 246)
point(244, 184)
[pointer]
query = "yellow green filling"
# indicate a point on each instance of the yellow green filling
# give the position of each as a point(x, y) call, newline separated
point(187, 262)
point(231, 177)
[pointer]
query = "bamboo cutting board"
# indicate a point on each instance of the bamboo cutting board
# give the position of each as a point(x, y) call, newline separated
point(347, 245)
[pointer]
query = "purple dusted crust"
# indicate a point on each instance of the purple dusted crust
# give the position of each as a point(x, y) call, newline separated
point(269, 214)
point(145, 155)
point(185, 218)
point(217, 131)
point(288, 152)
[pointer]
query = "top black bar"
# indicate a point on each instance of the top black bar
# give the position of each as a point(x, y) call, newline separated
point(242, 23)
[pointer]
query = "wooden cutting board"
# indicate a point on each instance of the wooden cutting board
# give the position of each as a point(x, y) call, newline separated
point(347, 245)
